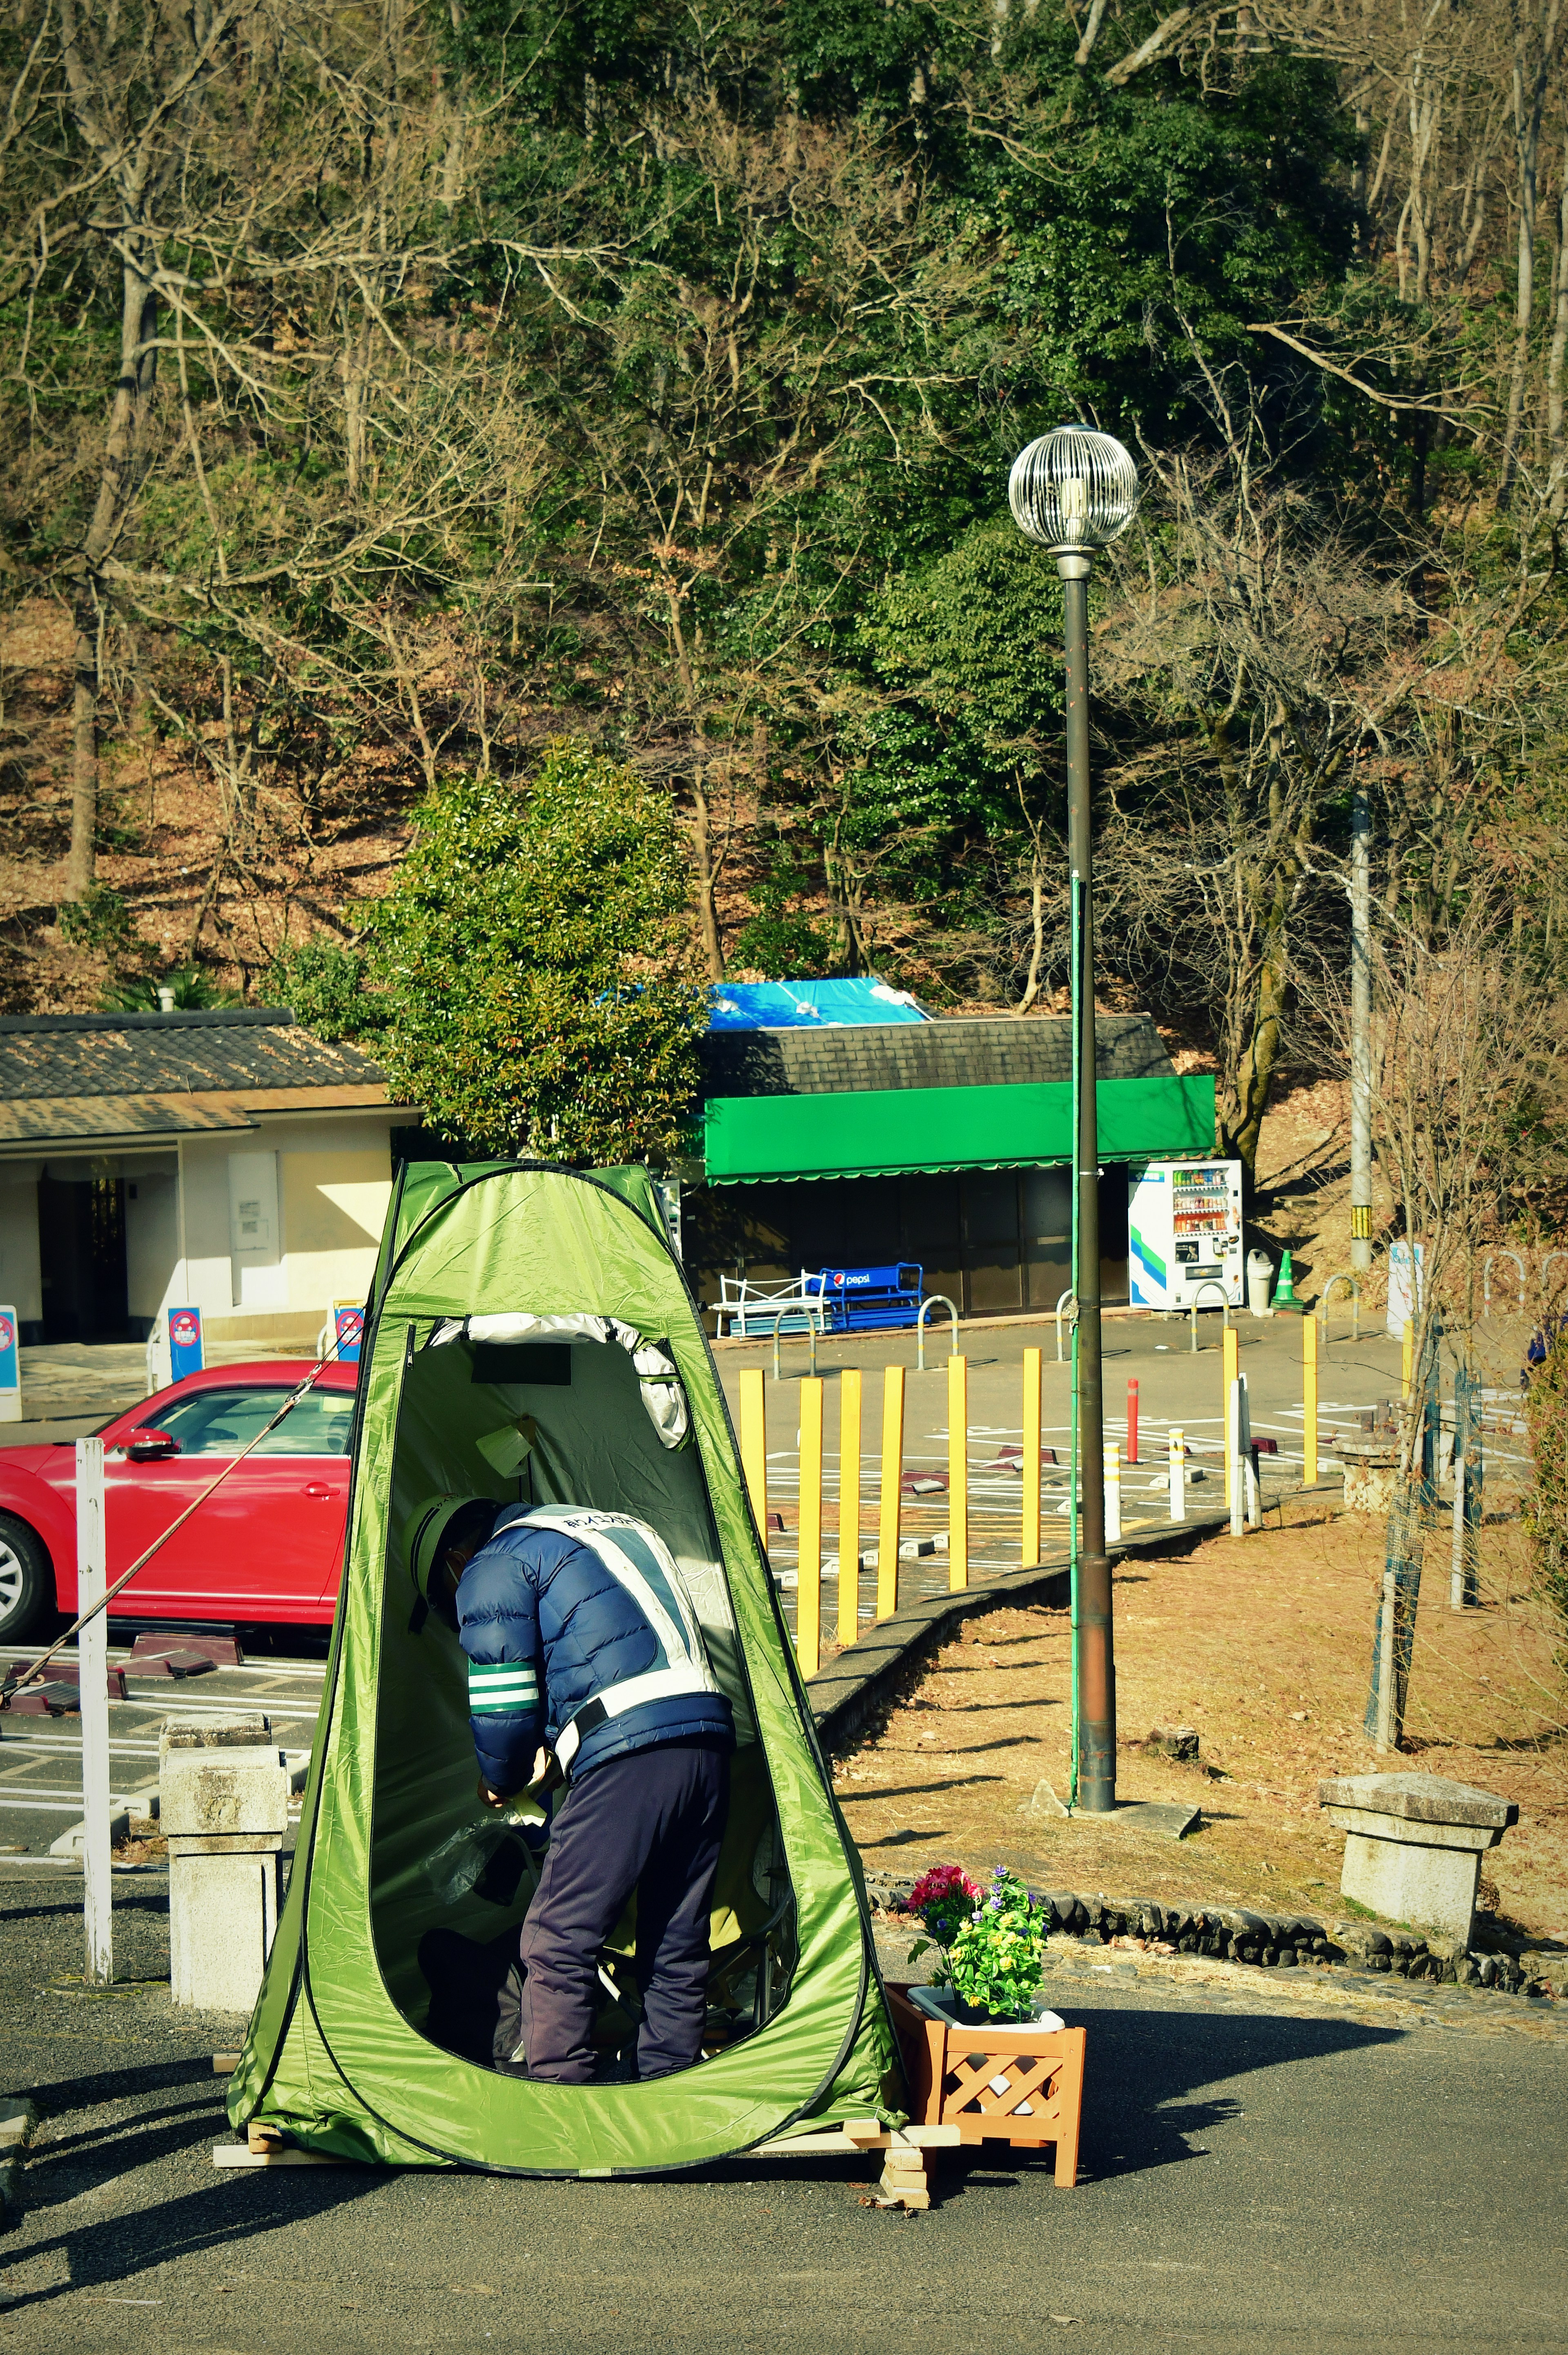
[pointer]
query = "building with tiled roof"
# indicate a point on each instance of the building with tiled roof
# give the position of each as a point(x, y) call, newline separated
point(225, 1160)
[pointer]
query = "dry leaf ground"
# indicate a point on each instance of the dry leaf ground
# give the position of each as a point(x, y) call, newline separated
point(1263, 1644)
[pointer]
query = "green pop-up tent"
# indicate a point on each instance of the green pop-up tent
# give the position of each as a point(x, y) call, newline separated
point(530, 1335)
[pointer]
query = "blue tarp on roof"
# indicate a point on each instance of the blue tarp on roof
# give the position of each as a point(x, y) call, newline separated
point(808, 1004)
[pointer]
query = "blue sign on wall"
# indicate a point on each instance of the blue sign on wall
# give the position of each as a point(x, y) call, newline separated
point(185, 1343)
point(349, 1326)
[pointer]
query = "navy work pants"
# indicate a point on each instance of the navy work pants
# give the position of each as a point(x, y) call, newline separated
point(650, 1820)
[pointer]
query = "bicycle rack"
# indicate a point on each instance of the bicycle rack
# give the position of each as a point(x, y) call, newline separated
point(935, 1300)
point(1059, 1306)
point(1352, 1287)
point(810, 1340)
point(1196, 1301)
point(1487, 1277)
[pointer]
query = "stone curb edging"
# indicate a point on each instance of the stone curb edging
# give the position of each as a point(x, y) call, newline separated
point(849, 1691)
point(1285, 1941)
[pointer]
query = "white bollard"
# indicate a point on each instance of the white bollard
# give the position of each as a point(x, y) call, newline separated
point(1112, 1493)
point(1234, 1410)
point(1178, 1476)
point(224, 1798)
point(92, 1696)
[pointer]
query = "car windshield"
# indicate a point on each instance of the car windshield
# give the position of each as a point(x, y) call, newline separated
point(220, 1422)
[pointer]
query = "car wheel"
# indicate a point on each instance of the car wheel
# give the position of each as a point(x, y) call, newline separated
point(26, 1587)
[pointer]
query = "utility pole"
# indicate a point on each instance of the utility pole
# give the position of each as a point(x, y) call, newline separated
point(1072, 491)
point(1361, 1031)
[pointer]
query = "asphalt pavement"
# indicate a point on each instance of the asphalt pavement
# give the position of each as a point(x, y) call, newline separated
point(40, 1757)
point(1261, 2173)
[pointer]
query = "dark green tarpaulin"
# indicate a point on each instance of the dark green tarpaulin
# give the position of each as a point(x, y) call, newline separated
point(888, 1132)
point(336, 2054)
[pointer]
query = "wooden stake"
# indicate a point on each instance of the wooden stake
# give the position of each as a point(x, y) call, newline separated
point(92, 1687)
point(754, 1447)
point(891, 1500)
point(1032, 1437)
point(1309, 1402)
point(957, 1474)
point(848, 1505)
point(808, 1589)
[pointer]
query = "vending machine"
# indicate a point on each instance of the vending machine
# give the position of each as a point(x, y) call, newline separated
point(1184, 1234)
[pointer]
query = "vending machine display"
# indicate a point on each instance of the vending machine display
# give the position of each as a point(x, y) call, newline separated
point(1184, 1231)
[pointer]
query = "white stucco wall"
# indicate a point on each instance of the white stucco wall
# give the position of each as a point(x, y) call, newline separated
point(333, 1178)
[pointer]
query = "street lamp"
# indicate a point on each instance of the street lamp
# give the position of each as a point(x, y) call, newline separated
point(1074, 490)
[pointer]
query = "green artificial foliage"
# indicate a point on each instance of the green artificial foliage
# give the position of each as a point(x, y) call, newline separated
point(537, 947)
point(998, 1955)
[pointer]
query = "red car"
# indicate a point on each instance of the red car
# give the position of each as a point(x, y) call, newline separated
point(268, 1545)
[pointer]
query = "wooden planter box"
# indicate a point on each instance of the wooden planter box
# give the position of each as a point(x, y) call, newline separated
point(999, 2083)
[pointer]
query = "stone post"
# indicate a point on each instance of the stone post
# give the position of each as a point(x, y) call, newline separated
point(1414, 1846)
point(224, 1800)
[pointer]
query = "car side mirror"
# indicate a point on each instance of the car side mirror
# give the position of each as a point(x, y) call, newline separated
point(151, 1446)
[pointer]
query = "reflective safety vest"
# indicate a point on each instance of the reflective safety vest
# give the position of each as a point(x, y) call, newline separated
point(683, 1662)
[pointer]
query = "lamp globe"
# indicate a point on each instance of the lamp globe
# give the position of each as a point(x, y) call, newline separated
point(1074, 489)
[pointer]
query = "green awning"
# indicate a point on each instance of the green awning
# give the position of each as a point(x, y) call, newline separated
point(887, 1131)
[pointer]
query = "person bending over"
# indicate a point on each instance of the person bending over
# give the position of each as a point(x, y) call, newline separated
point(583, 1648)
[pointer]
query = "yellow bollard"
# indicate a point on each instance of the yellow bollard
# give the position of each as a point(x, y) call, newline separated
point(892, 1473)
point(1031, 1444)
point(808, 1589)
point(1232, 1368)
point(754, 1447)
point(1407, 1359)
point(848, 1505)
point(957, 1474)
point(1309, 1402)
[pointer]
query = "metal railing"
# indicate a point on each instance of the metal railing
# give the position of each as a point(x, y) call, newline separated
point(935, 1300)
point(1193, 1305)
point(811, 1330)
point(1546, 1277)
point(1352, 1285)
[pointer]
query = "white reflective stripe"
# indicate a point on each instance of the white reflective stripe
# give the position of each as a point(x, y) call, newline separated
point(658, 1684)
point(593, 1530)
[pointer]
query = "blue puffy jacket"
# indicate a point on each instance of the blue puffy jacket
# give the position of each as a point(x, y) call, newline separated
point(568, 1613)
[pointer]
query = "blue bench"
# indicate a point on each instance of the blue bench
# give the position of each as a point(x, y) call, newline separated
point(854, 1299)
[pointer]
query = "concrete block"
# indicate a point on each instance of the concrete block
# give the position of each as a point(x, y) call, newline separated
point(206, 1794)
point(1413, 1845)
point(224, 1809)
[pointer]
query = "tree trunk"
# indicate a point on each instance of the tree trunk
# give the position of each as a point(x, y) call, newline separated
point(1557, 454)
point(116, 483)
point(1529, 99)
point(703, 876)
point(1242, 1117)
point(1037, 935)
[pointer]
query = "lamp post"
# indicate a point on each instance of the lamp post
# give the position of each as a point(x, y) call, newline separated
point(1074, 490)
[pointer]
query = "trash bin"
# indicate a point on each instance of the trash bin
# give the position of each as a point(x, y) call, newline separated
point(1260, 1275)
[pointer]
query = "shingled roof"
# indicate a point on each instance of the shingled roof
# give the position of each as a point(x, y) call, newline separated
point(97, 1076)
point(134, 1054)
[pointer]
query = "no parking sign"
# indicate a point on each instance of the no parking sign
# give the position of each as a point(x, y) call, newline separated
point(185, 1343)
point(10, 1369)
point(349, 1324)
